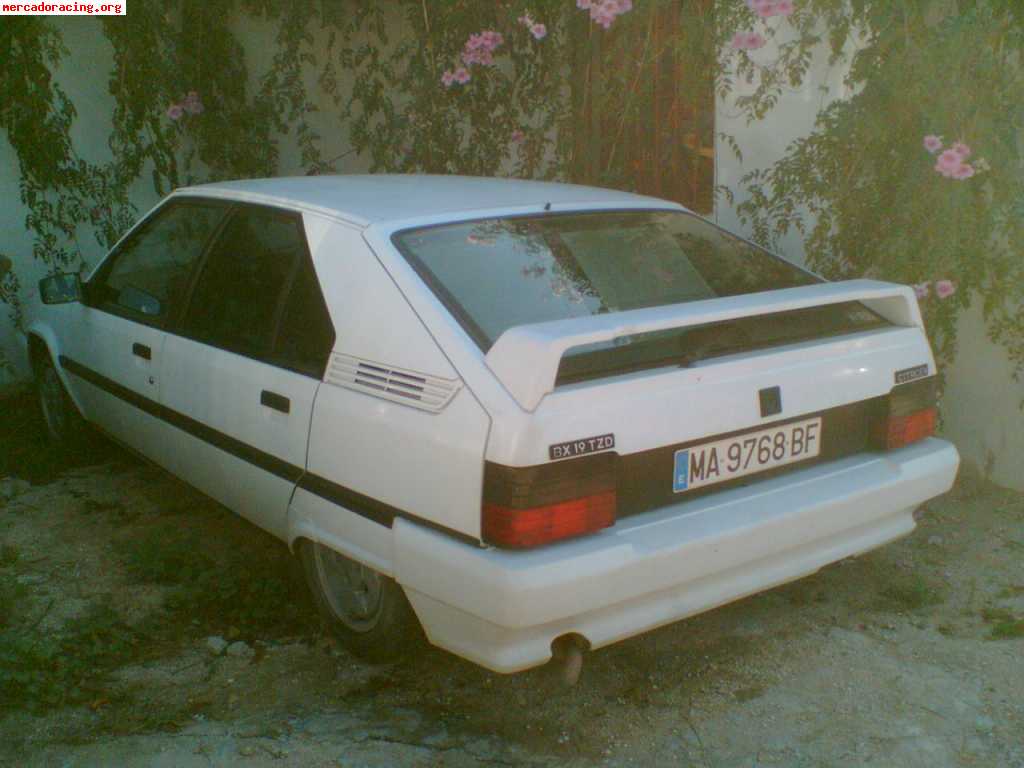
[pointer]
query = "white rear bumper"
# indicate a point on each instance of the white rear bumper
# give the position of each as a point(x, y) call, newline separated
point(503, 609)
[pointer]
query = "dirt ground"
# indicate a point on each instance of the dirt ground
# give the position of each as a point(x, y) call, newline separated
point(140, 624)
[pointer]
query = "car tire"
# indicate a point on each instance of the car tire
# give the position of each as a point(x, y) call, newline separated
point(367, 611)
point(64, 424)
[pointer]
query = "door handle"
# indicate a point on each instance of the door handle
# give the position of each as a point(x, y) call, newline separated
point(275, 401)
point(141, 350)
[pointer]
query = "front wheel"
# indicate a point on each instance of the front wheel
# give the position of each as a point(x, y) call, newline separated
point(63, 421)
point(365, 610)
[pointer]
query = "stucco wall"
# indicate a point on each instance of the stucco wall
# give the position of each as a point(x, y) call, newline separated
point(982, 405)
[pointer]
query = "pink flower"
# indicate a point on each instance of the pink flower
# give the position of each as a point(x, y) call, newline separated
point(539, 31)
point(448, 78)
point(604, 12)
point(949, 160)
point(921, 290)
point(517, 137)
point(747, 41)
point(602, 16)
point(175, 111)
point(962, 172)
point(479, 56)
point(962, 150)
point(933, 143)
point(461, 75)
point(944, 288)
point(768, 8)
point(479, 48)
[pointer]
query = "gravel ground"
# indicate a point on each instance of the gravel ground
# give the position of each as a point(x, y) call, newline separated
point(161, 655)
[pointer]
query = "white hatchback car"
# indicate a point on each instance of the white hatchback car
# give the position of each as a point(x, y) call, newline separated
point(522, 415)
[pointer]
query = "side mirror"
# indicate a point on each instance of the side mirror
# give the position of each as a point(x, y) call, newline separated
point(62, 288)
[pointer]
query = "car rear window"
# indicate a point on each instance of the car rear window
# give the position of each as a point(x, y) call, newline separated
point(495, 274)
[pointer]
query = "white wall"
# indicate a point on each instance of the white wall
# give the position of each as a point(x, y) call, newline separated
point(981, 404)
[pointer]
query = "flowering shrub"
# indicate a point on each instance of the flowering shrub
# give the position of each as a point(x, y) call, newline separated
point(556, 89)
point(863, 199)
point(604, 12)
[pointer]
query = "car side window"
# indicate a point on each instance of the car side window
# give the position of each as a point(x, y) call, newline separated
point(151, 269)
point(237, 300)
point(305, 336)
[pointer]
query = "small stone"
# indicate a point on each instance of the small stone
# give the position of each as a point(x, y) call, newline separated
point(935, 541)
point(240, 649)
point(216, 645)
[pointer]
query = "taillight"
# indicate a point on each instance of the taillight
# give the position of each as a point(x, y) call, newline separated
point(531, 506)
point(907, 416)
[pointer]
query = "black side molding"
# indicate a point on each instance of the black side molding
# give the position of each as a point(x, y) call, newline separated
point(355, 502)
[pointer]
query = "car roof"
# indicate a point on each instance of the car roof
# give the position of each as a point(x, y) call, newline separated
point(369, 199)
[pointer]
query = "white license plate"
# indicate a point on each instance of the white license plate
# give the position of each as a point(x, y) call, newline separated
point(746, 454)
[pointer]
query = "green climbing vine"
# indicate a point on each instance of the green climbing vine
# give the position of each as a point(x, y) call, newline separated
point(558, 89)
point(917, 177)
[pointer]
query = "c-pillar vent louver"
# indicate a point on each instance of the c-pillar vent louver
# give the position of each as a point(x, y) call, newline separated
point(419, 390)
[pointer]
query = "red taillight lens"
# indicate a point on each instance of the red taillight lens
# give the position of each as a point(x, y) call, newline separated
point(522, 528)
point(897, 431)
point(531, 506)
point(909, 415)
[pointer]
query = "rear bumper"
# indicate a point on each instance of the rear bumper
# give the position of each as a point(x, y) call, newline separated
point(503, 609)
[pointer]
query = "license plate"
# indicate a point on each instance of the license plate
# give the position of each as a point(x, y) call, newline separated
point(746, 454)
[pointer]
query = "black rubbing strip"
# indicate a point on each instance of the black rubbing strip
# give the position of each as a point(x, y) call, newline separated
point(370, 508)
point(364, 506)
point(151, 407)
point(214, 437)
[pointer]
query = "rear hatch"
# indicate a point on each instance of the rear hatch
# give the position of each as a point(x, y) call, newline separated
point(655, 357)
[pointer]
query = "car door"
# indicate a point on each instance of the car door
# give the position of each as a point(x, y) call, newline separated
point(113, 351)
point(242, 368)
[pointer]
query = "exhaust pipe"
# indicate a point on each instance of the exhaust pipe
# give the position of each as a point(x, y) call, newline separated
point(567, 658)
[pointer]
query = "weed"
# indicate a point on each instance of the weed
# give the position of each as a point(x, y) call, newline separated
point(12, 597)
point(749, 694)
point(996, 615)
point(164, 556)
point(9, 555)
point(250, 591)
point(1010, 591)
point(39, 670)
point(1007, 629)
point(911, 593)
